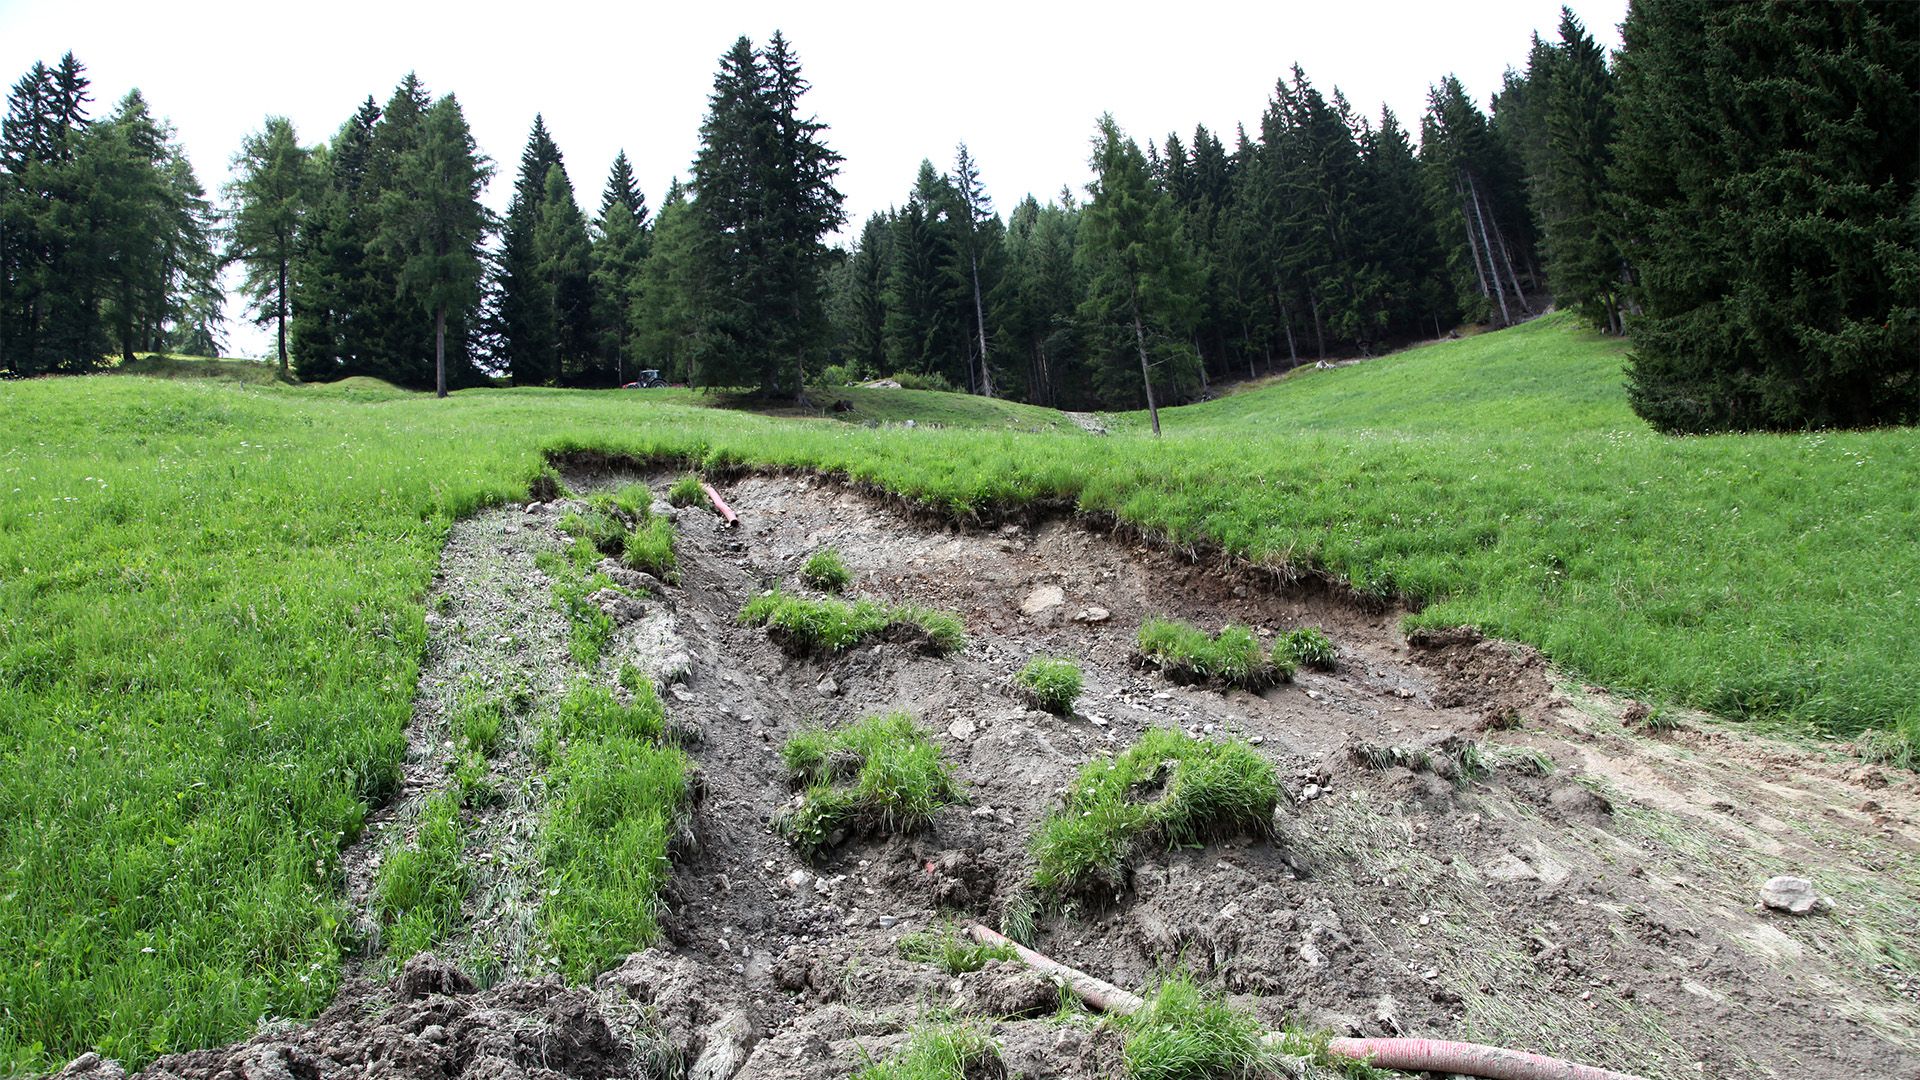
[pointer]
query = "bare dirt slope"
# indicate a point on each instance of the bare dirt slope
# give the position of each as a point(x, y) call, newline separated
point(1473, 852)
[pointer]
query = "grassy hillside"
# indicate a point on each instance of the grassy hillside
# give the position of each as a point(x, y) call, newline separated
point(213, 604)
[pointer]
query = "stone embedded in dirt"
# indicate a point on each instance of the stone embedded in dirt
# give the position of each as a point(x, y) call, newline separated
point(1092, 615)
point(1006, 988)
point(1510, 867)
point(1044, 598)
point(425, 974)
point(1793, 895)
point(963, 728)
point(828, 687)
point(91, 1066)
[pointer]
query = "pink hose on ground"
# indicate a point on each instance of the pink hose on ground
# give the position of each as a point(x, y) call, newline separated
point(1473, 1059)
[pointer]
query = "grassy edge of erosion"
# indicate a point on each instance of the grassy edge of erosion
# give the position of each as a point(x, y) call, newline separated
point(211, 606)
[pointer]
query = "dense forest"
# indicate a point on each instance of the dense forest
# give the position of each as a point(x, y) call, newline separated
point(1735, 190)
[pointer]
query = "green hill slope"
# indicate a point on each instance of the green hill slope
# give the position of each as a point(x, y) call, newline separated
point(214, 617)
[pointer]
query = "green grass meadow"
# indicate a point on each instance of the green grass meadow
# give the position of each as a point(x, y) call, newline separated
point(211, 602)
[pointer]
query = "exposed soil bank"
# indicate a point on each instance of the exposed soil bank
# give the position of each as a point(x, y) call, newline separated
point(1472, 852)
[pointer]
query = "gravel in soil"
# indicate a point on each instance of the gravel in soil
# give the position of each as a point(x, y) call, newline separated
point(1470, 850)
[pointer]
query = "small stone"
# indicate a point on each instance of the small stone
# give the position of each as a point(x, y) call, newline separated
point(1793, 895)
point(828, 687)
point(680, 693)
point(1044, 598)
point(983, 811)
point(1092, 615)
point(797, 881)
point(1256, 740)
point(888, 922)
point(1311, 791)
point(1098, 721)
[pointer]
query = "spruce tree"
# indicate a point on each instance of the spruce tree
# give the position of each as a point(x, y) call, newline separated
point(529, 338)
point(925, 326)
point(1769, 197)
point(268, 199)
point(432, 223)
point(333, 286)
point(1141, 270)
point(618, 260)
point(670, 326)
point(977, 238)
point(764, 194)
point(49, 269)
point(562, 262)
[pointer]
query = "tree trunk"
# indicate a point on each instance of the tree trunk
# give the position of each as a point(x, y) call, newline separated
point(1319, 331)
point(980, 320)
point(281, 311)
point(1473, 246)
point(1493, 271)
point(1293, 350)
point(1146, 377)
point(440, 351)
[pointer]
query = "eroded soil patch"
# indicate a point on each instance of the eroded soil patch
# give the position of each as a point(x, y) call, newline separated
point(1472, 852)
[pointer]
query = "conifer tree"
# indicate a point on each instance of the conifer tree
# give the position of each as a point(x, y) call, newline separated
point(333, 282)
point(432, 222)
point(859, 305)
point(618, 259)
point(49, 273)
point(268, 198)
point(562, 262)
point(1140, 268)
point(763, 186)
point(925, 326)
point(1769, 194)
point(670, 327)
point(529, 338)
point(976, 234)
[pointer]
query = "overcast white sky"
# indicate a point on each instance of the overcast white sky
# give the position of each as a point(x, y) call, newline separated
point(1022, 83)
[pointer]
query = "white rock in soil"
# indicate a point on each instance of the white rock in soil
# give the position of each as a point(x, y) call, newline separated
point(797, 881)
point(1092, 615)
point(827, 686)
point(962, 728)
point(1793, 895)
point(1044, 598)
point(1311, 791)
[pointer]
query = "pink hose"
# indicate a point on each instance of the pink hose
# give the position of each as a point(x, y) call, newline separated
point(1473, 1059)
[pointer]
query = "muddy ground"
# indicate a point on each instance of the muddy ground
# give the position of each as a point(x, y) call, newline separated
point(1588, 891)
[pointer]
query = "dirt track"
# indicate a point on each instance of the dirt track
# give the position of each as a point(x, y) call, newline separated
point(1589, 896)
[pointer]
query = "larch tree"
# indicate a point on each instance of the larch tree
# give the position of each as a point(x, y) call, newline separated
point(433, 223)
point(976, 235)
point(267, 199)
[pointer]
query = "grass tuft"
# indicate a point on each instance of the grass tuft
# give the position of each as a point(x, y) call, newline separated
point(423, 886)
point(1306, 646)
point(950, 950)
point(803, 625)
point(1185, 653)
point(1166, 791)
point(1052, 685)
point(825, 571)
point(1185, 1033)
point(879, 774)
point(686, 491)
point(649, 548)
point(937, 1052)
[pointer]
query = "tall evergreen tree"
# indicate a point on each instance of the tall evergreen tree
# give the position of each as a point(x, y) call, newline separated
point(763, 186)
point(1477, 204)
point(529, 338)
point(1770, 198)
point(976, 233)
point(925, 325)
point(859, 305)
point(49, 275)
point(562, 262)
point(432, 222)
point(1140, 268)
point(670, 325)
point(269, 196)
point(618, 258)
point(334, 289)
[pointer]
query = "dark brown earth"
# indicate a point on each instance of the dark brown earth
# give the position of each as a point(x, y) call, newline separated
point(1581, 888)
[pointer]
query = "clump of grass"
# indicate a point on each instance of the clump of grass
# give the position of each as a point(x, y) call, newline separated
point(575, 579)
point(1052, 685)
point(937, 1052)
point(649, 548)
point(546, 485)
point(422, 886)
point(614, 806)
point(1185, 653)
point(1184, 1033)
point(592, 712)
point(825, 571)
point(950, 951)
point(1881, 747)
point(880, 774)
point(477, 721)
point(598, 525)
point(1306, 646)
point(1166, 791)
point(686, 491)
point(803, 625)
